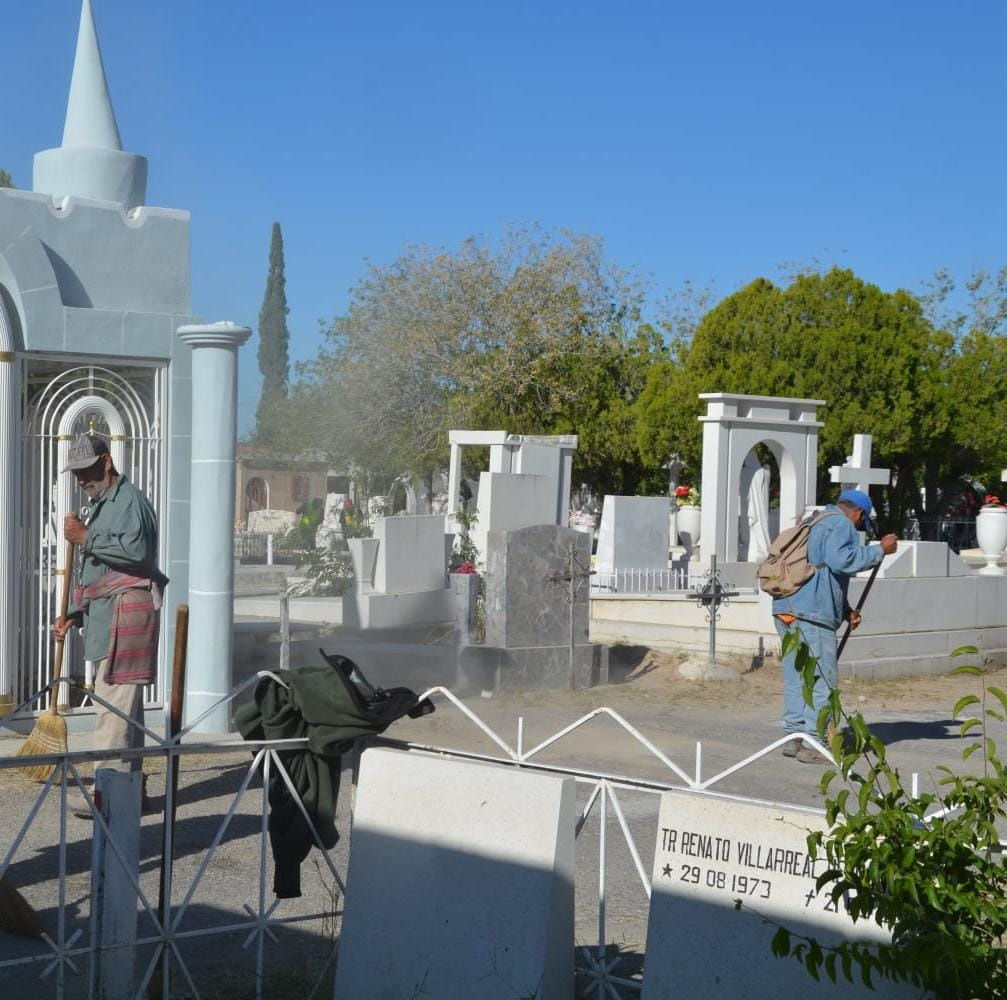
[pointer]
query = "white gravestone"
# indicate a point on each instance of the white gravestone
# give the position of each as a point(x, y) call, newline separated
point(460, 882)
point(709, 853)
point(634, 534)
point(857, 472)
point(400, 574)
point(508, 501)
point(271, 522)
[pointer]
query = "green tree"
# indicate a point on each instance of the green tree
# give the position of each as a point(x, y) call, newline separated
point(6, 181)
point(871, 355)
point(274, 339)
point(536, 333)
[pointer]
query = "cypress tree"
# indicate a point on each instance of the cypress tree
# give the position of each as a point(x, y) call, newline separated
point(6, 181)
point(274, 360)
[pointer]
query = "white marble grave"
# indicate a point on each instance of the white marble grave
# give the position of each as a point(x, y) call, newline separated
point(271, 522)
point(712, 851)
point(400, 574)
point(504, 501)
point(508, 501)
point(634, 534)
point(460, 882)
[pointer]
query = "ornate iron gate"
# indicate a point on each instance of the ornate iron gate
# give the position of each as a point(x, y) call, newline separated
point(60, 399)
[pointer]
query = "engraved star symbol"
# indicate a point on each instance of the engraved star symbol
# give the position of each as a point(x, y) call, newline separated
point(666, 871)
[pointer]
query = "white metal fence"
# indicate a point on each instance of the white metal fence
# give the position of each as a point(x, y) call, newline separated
point(57, 959)
point(648, 581)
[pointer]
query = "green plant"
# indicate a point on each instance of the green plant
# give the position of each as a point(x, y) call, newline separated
point(327, 573)
point(928, 868)
point(465, 550)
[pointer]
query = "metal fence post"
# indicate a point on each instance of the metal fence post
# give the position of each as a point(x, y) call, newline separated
point(114, 875)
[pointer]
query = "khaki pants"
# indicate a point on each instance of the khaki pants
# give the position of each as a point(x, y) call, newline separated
point(112, 732)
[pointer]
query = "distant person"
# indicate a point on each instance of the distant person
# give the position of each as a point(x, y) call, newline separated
point(118, 598)
point(820, 606)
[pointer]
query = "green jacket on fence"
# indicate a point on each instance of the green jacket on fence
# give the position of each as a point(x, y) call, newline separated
point(319, 703)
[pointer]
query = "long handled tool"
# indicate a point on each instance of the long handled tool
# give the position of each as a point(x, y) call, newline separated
point(155, 988)
point(49, 734)
point(860, 604)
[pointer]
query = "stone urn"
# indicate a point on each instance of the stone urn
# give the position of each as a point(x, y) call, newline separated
point(991, 533)
point(688, 528)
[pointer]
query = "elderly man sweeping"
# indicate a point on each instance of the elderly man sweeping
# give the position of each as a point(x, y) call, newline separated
point(820, 606)
point(118, 597)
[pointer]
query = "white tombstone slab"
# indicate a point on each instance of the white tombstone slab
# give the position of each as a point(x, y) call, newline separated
point(508, 501)
point(529, 454)
point(460, 882)
point(271, 522)
point(712, 851)
point(411, 554)
point(634, 534)
point(857, 472)
point(400, 574)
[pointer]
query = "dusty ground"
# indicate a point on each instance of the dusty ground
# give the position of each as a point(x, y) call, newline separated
point(644, 677)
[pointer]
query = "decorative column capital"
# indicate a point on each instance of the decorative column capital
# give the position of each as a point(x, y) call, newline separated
point(224, 334)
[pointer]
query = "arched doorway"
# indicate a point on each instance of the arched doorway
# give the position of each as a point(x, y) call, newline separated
point(759, 489)
point(123, 404)
point(256, 495)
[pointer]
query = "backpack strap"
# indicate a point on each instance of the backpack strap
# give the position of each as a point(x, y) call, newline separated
point(817, 518)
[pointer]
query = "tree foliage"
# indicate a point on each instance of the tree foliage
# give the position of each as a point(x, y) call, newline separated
point(535, 335)
point(928, 867)
point(6, 181)
point(879, 363)
point(274, 339)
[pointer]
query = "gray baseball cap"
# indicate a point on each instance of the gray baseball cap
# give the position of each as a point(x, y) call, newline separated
point(84, 452)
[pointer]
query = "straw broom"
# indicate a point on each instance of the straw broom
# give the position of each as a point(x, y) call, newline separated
point(49, 734)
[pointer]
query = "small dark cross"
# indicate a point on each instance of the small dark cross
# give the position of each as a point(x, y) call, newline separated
point(712, 596)
point(575, 575)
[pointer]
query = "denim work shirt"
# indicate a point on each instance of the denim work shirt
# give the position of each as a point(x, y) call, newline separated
point(834, 547)
point(122, 535)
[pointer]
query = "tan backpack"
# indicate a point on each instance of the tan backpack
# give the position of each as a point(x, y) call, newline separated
point(786, 569)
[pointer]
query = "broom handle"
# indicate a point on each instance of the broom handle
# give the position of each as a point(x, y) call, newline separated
point(178, 670)
point(860, 604)
point(155, 984)
point(64, 605)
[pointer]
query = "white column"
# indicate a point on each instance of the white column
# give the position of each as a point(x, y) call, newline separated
point(211, 533)
point(454, 482)
point(11, 466)
point(714, 489)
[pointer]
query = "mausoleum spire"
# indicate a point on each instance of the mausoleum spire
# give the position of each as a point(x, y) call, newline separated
point(90, 119)
point(91, 162)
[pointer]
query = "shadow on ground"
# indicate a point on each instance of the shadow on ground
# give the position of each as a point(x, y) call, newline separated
point(891, 733)
point(627, 663)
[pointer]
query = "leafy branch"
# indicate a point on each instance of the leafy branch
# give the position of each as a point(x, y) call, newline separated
point(927, 868)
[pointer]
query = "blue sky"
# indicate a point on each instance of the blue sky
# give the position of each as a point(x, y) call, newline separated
point(703, 141)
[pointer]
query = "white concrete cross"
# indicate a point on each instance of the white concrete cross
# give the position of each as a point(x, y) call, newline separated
point(857, 472)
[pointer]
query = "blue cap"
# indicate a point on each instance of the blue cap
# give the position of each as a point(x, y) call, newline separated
point(860, 499)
